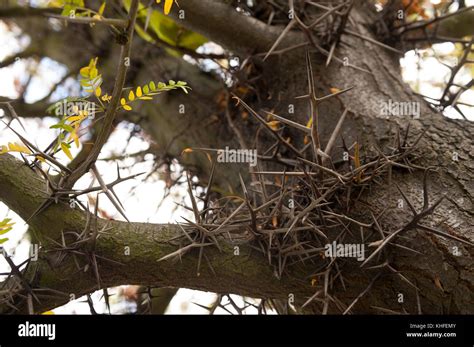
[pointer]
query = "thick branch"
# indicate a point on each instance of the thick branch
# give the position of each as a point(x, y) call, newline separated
point(222, 24)
point(21, 11)
point(246, 274)
point(15, 12)
point(30, 51)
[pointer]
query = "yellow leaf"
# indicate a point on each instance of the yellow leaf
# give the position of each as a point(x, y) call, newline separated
point(437, 282)
point(357, 161)
point(56, 3)
point(123, 101)
point(48, 313)
point(40, 158)
point(14, 147)
point(273, 124)
point(74, 136)
point(356, 156)
point(168, 4)
point(314, 281)
point(131, 96)
point(101, 9)
point(3, 149)
point(139, 91)
point(310, 123)
point(275, 220)
point(85, 71)
point(66, 150)
point(187, 150)
point(98, 92)
point(334, 90)
point(75, 118)
point(127, 108)
point(93, 73)
point(7, 226)
point(5, 221)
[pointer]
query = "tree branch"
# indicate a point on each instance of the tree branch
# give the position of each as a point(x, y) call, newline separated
point(22, 11)
point(222, 24)
point(113, 105)
point(16, 12)
point(451, 27)
point(30, 51)
point(246, 274)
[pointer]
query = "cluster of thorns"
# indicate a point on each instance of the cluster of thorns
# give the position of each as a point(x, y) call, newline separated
point(291, 218)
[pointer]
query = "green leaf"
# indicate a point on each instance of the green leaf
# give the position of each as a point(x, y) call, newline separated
point(5, 222)
point(4, 231)
point(68, 128)
point(62, 126)
point(5, 226)
point(166, 29)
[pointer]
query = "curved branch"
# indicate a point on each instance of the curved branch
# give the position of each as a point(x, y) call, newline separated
point(28, 52)
point(34, 110)
point(222, 24)
point(246, 274)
